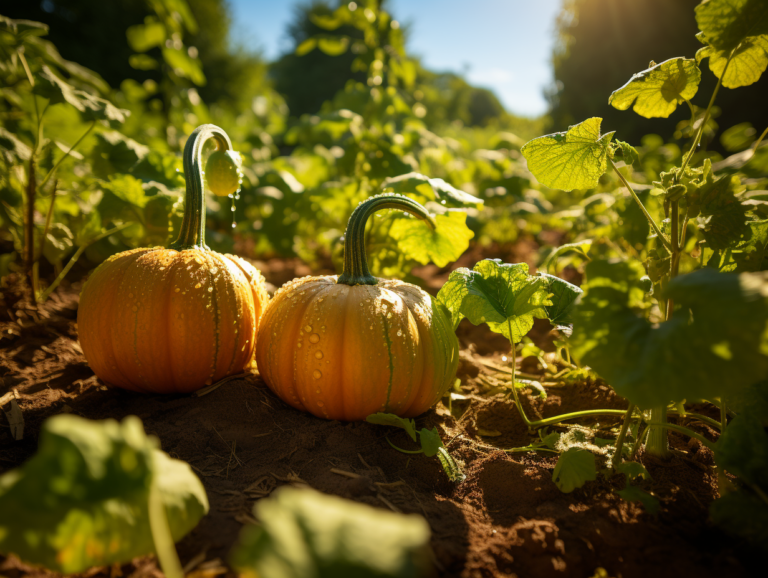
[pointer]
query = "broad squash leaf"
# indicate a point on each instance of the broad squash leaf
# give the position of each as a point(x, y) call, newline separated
point(417, 241)
point(82, 499)
point(714, 344)
point(752, 253)
point(575, 159)
point(574, 468)
point(734, 24)
point(502, 295)
point(563, 295)
point(722, 217)
point(306, 534)
point(658, 90)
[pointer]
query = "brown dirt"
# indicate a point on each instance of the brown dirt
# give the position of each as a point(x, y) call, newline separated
point(507, 519)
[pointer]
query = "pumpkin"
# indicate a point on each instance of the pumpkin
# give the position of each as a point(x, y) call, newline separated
point(171, 320)
point(349, 346)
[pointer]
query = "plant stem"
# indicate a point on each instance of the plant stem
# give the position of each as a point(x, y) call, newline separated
point(697, 140)
point(723, 415)
point(29, 224)
point(45, 294)
point(674, 262)
point(355, 270)
point(653, 224)
point(402, 450)
point(638, 442)
point(161, 535)
point(529, 449)
point(41, 248)
point(622, 434)
point(657, 436)
point(73, 147)
point(758, 141)
point(682, 430)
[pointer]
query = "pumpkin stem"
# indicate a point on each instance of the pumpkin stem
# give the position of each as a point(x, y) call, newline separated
point(192, 233)
point(355, 265)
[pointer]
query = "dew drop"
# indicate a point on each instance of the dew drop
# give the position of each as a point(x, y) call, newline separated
point(320, 404)
point(308, 328)
point(177, 289)
point(318, 354)
point(314, 338)
point(317, 374)
point(198, 286)
point(130, 295)
point(399, 333)
point(389, 316)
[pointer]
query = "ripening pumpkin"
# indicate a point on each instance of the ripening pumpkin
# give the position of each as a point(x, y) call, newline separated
point(173, 320)
point(348, 346)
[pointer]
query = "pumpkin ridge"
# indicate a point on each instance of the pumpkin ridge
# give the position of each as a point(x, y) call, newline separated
point(216, 321)
point(391, 361)
point(229, 283)
point(306, 306)
point(136, 360)
point(167, 308)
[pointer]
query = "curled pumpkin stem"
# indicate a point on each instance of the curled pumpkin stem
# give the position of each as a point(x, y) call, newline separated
point(355, 264)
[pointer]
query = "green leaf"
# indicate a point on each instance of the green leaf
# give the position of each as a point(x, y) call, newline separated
point(333, 45)
point(424, 189)
point(143, 62)
point(722, 217)
point(58, 243)
point(391, 419)
point(633, 470)
point(625, 151)
point(575, 159)
point(22, 29)
point(306, 47)
point(751, 254)
point(743, 449)
point(734, 24)
point(184, 65)
point(442, 245)
point(430, 441)
point(91, 107)
point(580, 247)
point(574, 468)
point(658, 90)
point(563, 295)
point(305, 534)
point(716, 336)
point(127, 188)
point(500, 294)
point(635, 494)
point(82, 499)
point(142, 37)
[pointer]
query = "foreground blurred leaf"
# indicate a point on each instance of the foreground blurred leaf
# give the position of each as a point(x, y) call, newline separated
point(734, 24)
point(575, 159)
point(714, 344)
point(658, 90)
point(306, 534)
point(82, 499)
point(574, 468)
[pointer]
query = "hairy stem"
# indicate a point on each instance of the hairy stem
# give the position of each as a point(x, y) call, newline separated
point(29, 224)
point(682, 430)
point(648, 216)
point(161, 535)
point(622, 434)
point(657, 436)
point(43, 239)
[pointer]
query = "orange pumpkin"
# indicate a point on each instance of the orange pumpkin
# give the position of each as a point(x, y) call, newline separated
point(349, 346)
point(173, 320)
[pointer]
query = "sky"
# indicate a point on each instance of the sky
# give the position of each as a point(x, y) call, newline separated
point(504, 45)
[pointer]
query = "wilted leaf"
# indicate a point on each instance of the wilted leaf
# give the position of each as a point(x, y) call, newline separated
point(658, 90)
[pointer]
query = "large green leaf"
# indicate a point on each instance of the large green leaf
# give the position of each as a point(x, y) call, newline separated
point(714, 344)
point(575, 159)
point(50, 86)
point(658, 90)
point(563, 295)
point(306, 534)
point(752, 253)
point(428, 189)
point(740, 25)
point(721, 216)
point(441, 245)
point(503, 295)
point(82, 499)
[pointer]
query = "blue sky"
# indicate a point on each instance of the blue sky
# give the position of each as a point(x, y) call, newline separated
point(504, 45)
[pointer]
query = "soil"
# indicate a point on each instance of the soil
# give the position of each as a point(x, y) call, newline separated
point(507, 519)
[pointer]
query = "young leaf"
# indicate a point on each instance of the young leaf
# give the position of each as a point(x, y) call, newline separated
point(633, 470)
point(563, 295)
point(395, 421)
point(500, 294)
point(574, 468)
point(635, 494)
point(431, 190)
point(658, 90)
point(715, 336)
point(575, 159)
point(430, 441)
point(303, 533)
point(417, 241)
point(82, 499)
point(625, 151)
point(734, 24)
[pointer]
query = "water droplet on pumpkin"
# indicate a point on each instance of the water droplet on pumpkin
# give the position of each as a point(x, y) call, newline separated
point(308, 328)
point(399, 333)
point(135, 308)
point(210, 289)
point(318, 354)
point(320, 404)
point(317, 374)
point(177, 289)
point(314, 338)
point(198, 286)
point(389, 316)
point(130, 295)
